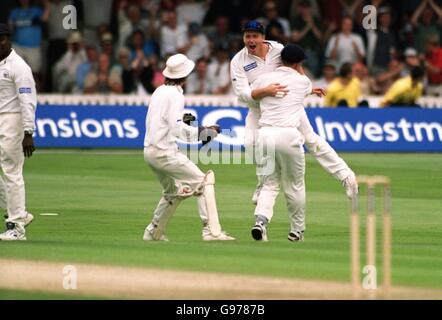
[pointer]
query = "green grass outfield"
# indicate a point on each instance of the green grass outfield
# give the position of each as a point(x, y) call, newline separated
point(106, 200)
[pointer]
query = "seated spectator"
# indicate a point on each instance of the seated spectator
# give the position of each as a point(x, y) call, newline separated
point(170, 34)
point(360, 71)
point(328, 75)
point(385, 79)
point(425, 23)
point(26, 26)
point(219, 72)
point(91, 65)
point(129, 20)
point(138, 45)
point(411, 60)
point(103, 81)
point(107, 46)
point(221, 36)
point(345, 90)
point(307, 33)
point(157, 70)
point(345, 46)
point(405, 91)
point(271, 15)
point(275, 32)
point(65, 70)
point(199, 82)
point(136, 74)
point(433, 64)
point(195, 45)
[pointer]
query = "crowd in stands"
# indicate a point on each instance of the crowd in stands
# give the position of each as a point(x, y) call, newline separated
point(121, 45)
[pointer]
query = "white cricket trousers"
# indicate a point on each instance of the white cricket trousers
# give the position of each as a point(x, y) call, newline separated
point(178, 176)
point(2, 194)
point(316, 145)
point(282, 164)
point(11, 160)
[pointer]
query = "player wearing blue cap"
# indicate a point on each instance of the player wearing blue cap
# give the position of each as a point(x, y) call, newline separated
point(258, 57)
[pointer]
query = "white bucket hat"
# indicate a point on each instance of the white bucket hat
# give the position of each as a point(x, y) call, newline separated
point(178, 66)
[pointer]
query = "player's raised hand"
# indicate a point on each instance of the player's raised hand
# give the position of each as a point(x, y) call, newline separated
point(319, 92)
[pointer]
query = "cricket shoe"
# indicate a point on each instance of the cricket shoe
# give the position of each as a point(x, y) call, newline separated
point(296, 236)
point(148, 235)
point(351, 186)
point(259, 232)
point(28, 219)
point(14, 232)
point(208, 236)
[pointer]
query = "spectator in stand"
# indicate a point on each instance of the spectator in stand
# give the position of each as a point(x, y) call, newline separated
point(219, 72)
point(137, 72)
point(189, 11)
point(171, 33)
point(385, 79)
point(433, 65)
point(271, 16)
point(424, 21)
point(107, 46)
point(275, 32)
point(122, 69)
point(406, 91)
point(56, 37)
point(26, 22)
point(380, 43)
point(139, 46)
point(157, 70)
point(345, 90)
point(221, 36)
point(91, 65)
point(95, 14)
point(103, 81)
point(411, 61)
point(65, 70)
point(360, 71)
point(328, 75)
point(195, 45)
point(199, 82)
point(130, 19)
point(345, 46)
point(308, 34)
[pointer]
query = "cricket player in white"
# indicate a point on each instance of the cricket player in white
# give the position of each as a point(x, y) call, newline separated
point(179, 177)
point(280, 143)
point(257, 58)
point(18, 103)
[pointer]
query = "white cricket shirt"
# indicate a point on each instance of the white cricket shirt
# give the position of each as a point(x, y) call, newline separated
point(164, 120)
point(17, 89)
point(245, 68)
point(286, 111)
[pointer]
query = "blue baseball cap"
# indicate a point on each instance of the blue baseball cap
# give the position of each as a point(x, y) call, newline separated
point(254, 25)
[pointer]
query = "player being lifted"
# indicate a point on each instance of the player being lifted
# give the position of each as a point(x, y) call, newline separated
point(258, 57)
point(179, 177)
